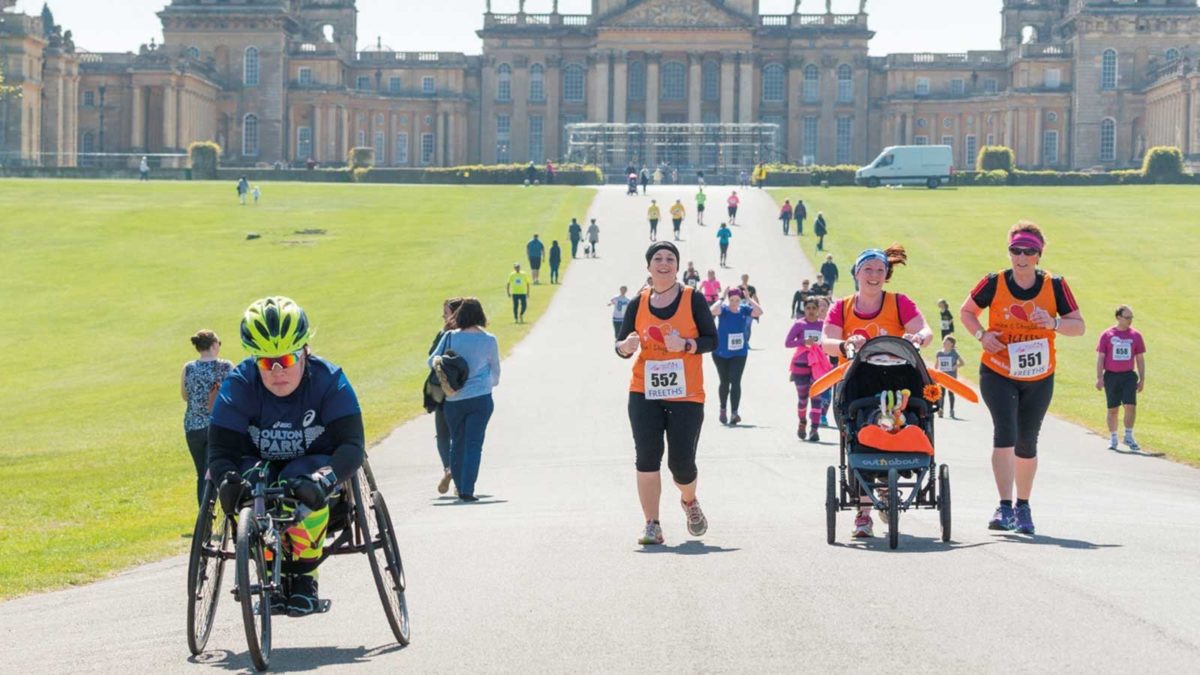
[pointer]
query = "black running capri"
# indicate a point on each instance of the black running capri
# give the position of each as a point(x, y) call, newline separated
point(1017, 409)
point(680, 421)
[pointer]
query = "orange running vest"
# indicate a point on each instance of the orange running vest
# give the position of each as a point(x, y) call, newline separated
point(651, 330)
point(886, 322)
point(1009, 317)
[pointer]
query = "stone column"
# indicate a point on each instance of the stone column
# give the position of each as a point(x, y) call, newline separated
point(520, 117)
point(553, 93)
point(620, 87)
point(487, 114)
point(317, 135)
point(170, 115)
point(653, 60)
point(597, 104)
point(727, 92)
point(746, 89)
point(1038, 157)
point(792, 118)
point(695, 77)
point(138, 115)
point(439, 134)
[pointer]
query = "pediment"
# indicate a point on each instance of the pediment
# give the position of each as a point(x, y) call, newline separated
point(676, 14)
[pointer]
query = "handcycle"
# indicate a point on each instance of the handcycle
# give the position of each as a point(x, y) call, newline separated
point(359, 523)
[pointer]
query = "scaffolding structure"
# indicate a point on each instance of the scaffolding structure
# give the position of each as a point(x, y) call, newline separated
point(718, 149)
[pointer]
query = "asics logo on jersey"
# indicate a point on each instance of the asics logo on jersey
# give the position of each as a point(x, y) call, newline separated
point(309, 417)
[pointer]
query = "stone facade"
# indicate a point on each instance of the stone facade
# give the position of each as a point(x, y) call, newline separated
point(1075, 84)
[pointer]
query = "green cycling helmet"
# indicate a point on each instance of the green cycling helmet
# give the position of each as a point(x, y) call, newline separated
point(274, 326)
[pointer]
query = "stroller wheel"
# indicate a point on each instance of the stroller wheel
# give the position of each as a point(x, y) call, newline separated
point(893, 509)
point(831, 505)
point(944, 500)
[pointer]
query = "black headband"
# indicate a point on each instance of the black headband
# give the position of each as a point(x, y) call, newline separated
point(661, 246)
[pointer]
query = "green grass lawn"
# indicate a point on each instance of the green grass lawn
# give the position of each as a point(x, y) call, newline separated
point(104, 282)
point(1134, 245)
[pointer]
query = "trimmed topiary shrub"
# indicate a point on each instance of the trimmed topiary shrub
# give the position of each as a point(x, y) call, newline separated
point(995, 158)
point(205, 159)
point(1163, 164)
point(361, 158)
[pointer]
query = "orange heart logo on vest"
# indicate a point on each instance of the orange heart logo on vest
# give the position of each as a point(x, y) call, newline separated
point(1022, 311)
point(869, 331)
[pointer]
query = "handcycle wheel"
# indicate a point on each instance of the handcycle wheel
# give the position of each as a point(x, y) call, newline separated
point(379, 538)
point(252, 582)
point(893, 507)
point(831, 505)
point(944, 500)
point(206, 567)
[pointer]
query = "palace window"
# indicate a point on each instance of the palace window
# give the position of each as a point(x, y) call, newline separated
point(1108, 69)
point(89, 99)
point(573, 82)
point(674, 80)
point(812, 84)
point(504, 82)
point(637, 80)
point(87, 145)
point(537, 83)
point(503, 139)
point(970, 149)
point(957, 87)
point(922, 86)
point(426, 149)
point(1052, 78)
point(537, 144)
point(990, 86)
point(772, 82)
point(1050, 147)
point(363, 83)
point(711, 79)
point(192, 53)
point(845, 139)
point(568, 120)
point(948, 140)
point(394, 85)
point(428, 86)
point(1172, 55)
point(810, 139)
point(380, 148)
point(401, 156)
point(920, 140)
point(845, 76)
point(250, 135)
point(250, 67)
point(1108, 140)
point(305, 77)
point(304, 143)
point(360, 138)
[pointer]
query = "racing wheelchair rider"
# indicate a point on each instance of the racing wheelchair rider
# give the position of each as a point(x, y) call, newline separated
point(299, 412)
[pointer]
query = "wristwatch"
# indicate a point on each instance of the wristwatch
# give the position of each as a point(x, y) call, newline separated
point(1057, 322)
point(979, 334)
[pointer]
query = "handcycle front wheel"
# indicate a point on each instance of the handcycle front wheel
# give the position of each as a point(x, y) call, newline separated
point(944, 500)
point(206, 567)
point(252, 589)
point(386, 565)
point(893, 507)
point(831, 505)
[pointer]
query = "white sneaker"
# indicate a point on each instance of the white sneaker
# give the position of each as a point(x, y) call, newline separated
point(697, 524)
point(1112, 442)
point(653, 534)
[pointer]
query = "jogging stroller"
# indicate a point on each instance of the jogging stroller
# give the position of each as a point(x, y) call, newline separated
point(885, 408)
point(631, 184)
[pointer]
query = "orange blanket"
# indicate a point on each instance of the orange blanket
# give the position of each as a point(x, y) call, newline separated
point(908, 439)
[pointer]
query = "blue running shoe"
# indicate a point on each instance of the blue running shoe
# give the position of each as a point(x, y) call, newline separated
point(1002, 519)
point(1024, 520)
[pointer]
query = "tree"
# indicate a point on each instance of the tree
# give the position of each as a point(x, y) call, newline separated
point(6, 90)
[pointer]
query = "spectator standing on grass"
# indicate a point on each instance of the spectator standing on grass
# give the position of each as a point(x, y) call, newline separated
point(531, 173)
point(243, 186)
point(945, 318)
point(199, 384)
point(534, 250)
point(574, 233)
point(555, 261)
point(144, 169)
point(551, 172)
point(829, 270)
point(799, 213)
point(593, 237)
point(517, 288)
point(1120, 347)
point(257, 194)
point(820, 229)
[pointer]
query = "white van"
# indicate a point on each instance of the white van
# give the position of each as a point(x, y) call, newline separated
point(929, 165)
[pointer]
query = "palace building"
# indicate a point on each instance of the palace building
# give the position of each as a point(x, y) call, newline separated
point(1073, 84)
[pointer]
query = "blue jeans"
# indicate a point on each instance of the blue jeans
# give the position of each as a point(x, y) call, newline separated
point(443, 435)
point(468, 420)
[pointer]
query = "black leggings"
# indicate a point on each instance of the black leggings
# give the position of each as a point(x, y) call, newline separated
point(1017, 409)
point(197, 441)
point(730, 372)
point(680, 420)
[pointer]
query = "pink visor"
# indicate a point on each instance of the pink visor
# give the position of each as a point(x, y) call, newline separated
point(1026, 240)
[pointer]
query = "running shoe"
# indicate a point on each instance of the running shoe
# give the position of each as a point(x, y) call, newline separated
point(722, 417)
point(813, 437)
point(735, 419)
point(697, 524)
point(1023, 523)
point(1133, 445)
point(801, 431)
point(444, 483)
point(863, 526)
point(1002, 519)
point(303, 599)
point(1112, 442)
point(468, 498)
point(653, 534)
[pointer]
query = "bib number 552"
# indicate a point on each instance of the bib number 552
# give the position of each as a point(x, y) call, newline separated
point(664, 379)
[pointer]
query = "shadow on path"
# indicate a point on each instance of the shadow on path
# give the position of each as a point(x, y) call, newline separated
point(1042, 540)
point(909, 544)
point(692, 547)
point(296, 659)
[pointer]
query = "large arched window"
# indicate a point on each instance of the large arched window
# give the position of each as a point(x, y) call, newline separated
point(772, 82)
point(812, 83)
point(637, 80)
point(574, 78)
point(711, 77)
point(674, 81)
point(845, 75)
point(1108, 69)
point(250, 67)
point(192, 53)
point(250, 135)
point(87, 145)
point(1172, 55)
point(537, 82)
point(1108, 140)
point(504, 82)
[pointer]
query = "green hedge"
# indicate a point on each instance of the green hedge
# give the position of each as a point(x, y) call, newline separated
point(792, 175)
point(205, 159)
point(571, 174)
point(514, 174)
point(995, 158)
point(1163, 164)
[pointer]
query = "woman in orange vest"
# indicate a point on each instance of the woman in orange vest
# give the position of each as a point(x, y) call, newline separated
point(1027, 308)
point(668, 326)
point(868, 313)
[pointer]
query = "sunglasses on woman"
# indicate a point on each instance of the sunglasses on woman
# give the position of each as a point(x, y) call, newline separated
point(1019, 250)
point(285, 361)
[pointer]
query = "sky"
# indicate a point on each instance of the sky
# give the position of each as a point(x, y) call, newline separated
point(450, 25)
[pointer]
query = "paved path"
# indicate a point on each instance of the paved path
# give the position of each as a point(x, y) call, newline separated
point(544, 574)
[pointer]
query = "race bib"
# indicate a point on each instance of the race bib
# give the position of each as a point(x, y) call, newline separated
point(812, 335)
point(1029, 359)
point(736, 341)
point(665, 379)
point(1122, 350)
point(945, 363)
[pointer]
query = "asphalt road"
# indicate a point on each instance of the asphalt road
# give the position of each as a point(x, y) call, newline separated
point(544, 574)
